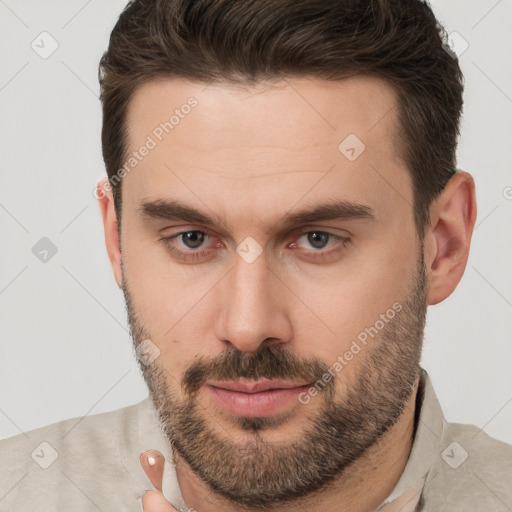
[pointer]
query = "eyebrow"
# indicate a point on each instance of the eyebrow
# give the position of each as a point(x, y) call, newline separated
point(170, 209)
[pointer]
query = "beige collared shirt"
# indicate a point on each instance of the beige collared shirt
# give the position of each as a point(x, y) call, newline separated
point(92, 464)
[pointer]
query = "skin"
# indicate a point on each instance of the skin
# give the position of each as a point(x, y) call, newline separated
point(239, 151)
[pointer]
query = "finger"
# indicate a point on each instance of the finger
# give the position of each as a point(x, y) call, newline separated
point(153, 463)
point(154, 501)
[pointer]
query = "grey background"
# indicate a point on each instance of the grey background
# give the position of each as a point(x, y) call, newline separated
point(65, 350)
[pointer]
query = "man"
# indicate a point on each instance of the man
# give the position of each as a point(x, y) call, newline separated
point(282, 205)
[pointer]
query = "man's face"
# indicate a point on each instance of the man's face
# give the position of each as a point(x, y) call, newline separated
point(339, 302)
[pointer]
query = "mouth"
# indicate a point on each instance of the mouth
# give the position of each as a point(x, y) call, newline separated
point(264, 397)
point(256, 386)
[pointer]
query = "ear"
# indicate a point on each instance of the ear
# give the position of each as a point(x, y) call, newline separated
point(106, 202)
point(447, 240)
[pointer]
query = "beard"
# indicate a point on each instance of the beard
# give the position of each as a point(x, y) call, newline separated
point(256, 474)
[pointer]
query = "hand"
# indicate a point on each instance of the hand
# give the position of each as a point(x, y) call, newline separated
point(154, 501)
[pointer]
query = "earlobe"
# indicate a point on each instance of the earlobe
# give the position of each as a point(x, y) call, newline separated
point(448, 239)
point(109, 217)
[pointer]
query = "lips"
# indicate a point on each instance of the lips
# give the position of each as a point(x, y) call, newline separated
point(256, 386)
point(264, 397)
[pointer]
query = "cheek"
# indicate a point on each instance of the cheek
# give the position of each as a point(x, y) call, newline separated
point(352, 304)
point(144, 258)
point(382, 275)
point(172, 302)
point(158, 285)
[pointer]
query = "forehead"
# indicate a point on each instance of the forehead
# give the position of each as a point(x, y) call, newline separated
point(311, 108)
point(273, 143)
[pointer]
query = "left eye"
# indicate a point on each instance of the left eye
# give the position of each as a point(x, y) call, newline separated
point(192, 239)
point(318, 239)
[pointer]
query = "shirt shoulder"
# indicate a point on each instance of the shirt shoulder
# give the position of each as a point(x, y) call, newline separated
point(472, 471)
point(79, 461)
point(458, 467)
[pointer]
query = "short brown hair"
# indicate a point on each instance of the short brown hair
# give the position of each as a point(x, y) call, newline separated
point(247, 41)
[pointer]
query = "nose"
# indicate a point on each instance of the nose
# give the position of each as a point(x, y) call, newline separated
point(254, 307)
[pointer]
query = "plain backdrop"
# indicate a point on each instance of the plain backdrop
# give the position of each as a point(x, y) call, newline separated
point(65, 350)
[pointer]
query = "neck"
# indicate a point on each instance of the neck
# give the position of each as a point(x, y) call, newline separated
point(363, 486)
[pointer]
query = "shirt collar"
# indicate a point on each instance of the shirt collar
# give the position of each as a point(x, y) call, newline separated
point(429, 423)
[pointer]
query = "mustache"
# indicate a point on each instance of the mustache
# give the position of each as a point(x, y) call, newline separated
point(271, 362)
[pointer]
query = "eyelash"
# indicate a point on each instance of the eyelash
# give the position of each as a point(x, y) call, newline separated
point(314, 255)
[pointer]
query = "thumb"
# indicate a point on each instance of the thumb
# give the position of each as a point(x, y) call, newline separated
point(153, 462)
